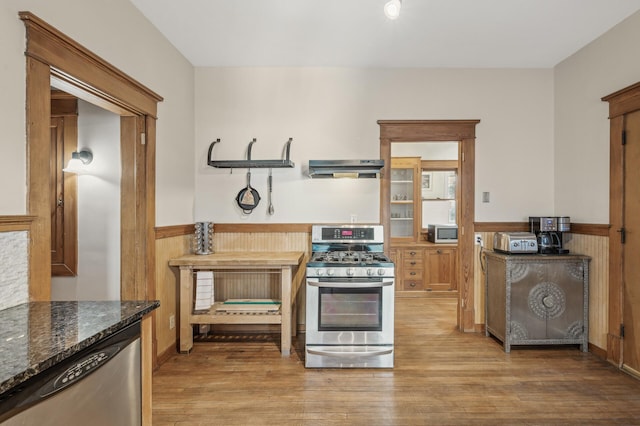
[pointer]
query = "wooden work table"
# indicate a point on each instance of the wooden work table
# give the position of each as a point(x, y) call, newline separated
point(284, 262)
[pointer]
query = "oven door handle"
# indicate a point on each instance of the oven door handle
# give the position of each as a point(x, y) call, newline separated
point(353, 284)
point(366, 352)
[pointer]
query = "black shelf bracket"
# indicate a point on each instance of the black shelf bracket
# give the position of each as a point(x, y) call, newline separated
point(249, 163)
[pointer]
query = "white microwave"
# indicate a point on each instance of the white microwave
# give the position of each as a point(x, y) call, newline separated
point(442, 233)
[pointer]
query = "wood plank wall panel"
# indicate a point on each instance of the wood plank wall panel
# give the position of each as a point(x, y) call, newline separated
point(479, 279)
point(597, 247)
point(242, 284)
point(228, 286)
point(167, 289)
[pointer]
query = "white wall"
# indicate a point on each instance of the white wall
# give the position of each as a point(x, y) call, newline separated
point(331, 113)
point(116, 31)
point(98, 199)
point(607, 65)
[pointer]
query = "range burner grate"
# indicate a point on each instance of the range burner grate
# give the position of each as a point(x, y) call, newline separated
point(348, 257)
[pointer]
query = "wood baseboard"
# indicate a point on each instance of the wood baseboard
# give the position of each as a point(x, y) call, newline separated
point(598, 351)
point(165, 356)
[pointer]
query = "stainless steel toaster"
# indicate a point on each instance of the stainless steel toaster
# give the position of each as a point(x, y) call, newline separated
point(515, 242)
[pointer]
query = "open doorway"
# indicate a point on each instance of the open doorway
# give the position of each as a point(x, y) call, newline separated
point(96, 200)
point(53, 59)
point(463, 132)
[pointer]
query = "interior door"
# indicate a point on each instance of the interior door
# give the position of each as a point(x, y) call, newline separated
point(631, 246)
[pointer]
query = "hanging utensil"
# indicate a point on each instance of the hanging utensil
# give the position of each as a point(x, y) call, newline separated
point(270, 185)
point(248, 198)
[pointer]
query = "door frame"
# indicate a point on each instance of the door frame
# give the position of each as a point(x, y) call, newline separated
point(52, 58)
point(621, 102)
point(463, 132)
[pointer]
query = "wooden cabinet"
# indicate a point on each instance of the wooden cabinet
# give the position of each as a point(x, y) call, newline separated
point(420, 266)
point(425, 268)
point(406, 203)
point(440, 269)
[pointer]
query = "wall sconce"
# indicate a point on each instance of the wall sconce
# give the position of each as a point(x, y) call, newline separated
point(392, 9)
point(79, 159)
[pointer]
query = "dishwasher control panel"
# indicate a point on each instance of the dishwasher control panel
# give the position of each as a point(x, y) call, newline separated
point(80, 369)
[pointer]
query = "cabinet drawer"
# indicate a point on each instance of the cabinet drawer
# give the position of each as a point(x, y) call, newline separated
point(438, 287)
point(412, 274)
point(412, 254)
point(412, 285)
point(412, 264)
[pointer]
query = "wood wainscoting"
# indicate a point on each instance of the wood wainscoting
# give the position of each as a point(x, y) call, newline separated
point(175, 241)
point(171, 242)
point(588, 239)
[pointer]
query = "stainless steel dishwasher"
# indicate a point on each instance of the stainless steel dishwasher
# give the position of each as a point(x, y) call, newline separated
point(100, 385)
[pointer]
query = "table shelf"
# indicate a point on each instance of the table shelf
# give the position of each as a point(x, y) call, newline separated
point(214, 316)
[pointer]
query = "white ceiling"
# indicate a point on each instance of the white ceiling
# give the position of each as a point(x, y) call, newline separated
point(355, 33)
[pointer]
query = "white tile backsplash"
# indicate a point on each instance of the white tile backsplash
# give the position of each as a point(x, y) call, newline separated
point(14, 268)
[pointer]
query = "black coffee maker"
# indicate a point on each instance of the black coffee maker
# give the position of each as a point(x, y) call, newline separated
point(549, 233)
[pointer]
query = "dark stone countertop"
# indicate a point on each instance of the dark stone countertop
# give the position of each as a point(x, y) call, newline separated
point(37, 335)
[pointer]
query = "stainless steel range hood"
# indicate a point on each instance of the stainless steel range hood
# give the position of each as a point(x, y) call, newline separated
point(345, 168)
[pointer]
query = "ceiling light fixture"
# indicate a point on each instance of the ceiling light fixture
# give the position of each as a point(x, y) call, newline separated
point(79, 159)
point(392, 9)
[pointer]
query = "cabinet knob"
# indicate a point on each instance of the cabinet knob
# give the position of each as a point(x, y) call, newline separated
point(439, 251)
point(412, 273)
point(413, 253)
point(412, 284)
point(413, 263)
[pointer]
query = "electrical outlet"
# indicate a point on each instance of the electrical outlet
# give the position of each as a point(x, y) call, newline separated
point(172, 322)
point(479, 239)
point(354, 218)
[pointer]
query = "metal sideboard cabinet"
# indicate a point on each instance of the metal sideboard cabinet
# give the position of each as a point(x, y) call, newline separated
point(537, 299)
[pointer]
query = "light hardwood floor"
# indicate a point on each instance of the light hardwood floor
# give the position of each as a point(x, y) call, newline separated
point(440, 377)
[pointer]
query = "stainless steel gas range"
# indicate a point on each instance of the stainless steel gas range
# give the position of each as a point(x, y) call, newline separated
point(350, 299)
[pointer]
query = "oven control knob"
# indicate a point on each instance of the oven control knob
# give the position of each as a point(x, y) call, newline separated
point(381, 271)
point(319, 271)
point(370, 271)
point(330, 272)
point(350, 272)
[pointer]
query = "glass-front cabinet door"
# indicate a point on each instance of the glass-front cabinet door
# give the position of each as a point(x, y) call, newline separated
point(405, 208)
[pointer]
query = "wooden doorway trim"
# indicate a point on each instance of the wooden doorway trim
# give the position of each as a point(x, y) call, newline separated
point(464, 132)
point(621, 102)
point(54, 58)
